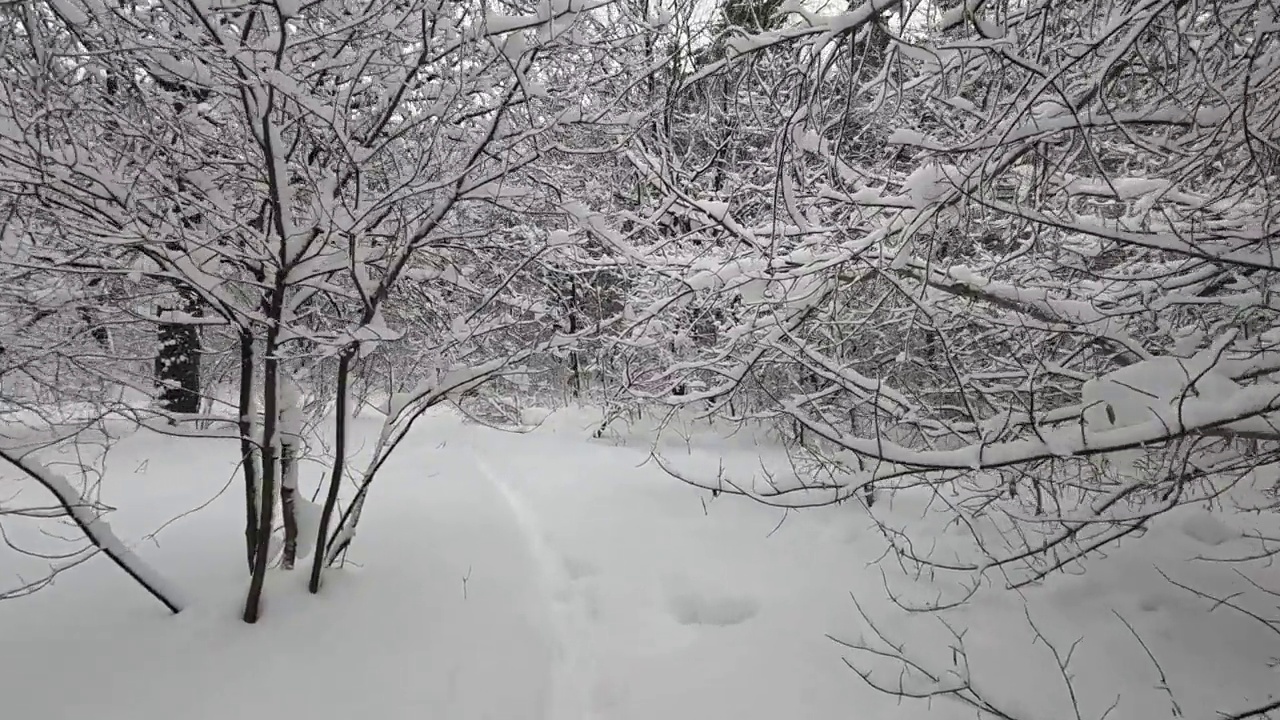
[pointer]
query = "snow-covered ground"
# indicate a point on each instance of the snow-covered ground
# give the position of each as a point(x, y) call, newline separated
point(552, 576)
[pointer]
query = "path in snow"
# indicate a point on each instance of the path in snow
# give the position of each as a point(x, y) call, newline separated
point(570, 671)
point(666, 609)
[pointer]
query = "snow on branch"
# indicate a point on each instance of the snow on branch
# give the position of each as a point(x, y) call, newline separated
point(97, 530)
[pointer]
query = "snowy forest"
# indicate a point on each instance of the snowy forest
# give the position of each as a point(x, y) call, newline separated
point(611, 359)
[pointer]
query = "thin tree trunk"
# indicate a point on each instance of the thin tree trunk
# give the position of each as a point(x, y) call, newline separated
point(248, 447)
point(347, 523)
point(339, 466)
point(288, 500)
point(266, 498)
point(575, 362)
point(289, 428)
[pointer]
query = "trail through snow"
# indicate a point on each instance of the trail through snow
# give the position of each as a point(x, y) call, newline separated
point(568, 672)
point(670, 607)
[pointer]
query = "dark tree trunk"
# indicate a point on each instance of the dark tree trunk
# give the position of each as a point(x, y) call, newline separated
point(288, 499)
point(248, 447)
point(178, 360)
point(339, 466)
point(575, 364)
point(270, 463)
point(97, 331)
point(564, 287)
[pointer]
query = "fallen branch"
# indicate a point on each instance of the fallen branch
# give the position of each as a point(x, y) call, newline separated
point(98, 531)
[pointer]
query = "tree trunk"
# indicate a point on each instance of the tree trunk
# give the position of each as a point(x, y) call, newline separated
point(289, 428)
point(97, 331)
point(575, 361)
point(248, 447)
point(288, 504)
point(339, 466)
point(178, 360)
point(270, 463)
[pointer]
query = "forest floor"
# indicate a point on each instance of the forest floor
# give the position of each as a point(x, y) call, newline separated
point(552, 576)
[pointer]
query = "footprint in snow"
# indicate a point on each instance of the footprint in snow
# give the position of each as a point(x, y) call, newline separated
point(578, 569)
point(1208, 529)
point(1152, 603)
point(578, 590)
point(607, 694)
point(689, 608)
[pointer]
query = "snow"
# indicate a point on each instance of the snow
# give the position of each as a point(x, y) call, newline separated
point(514, 46)
point(307, 514)
point(1168, 390)
point(97, 529)
point(559, 237)
point(905, 136)
point(373, 333)
point(70, 12)
point(1125, 188)
point(1207, 528)
point(548, 576)
point(717, 210)
point(930, 182)
point(808, 140)
point(745, 44)
point(497, 24)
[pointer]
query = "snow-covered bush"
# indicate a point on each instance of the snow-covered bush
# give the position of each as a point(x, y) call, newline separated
point(320, 181)
point(1038, 284)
